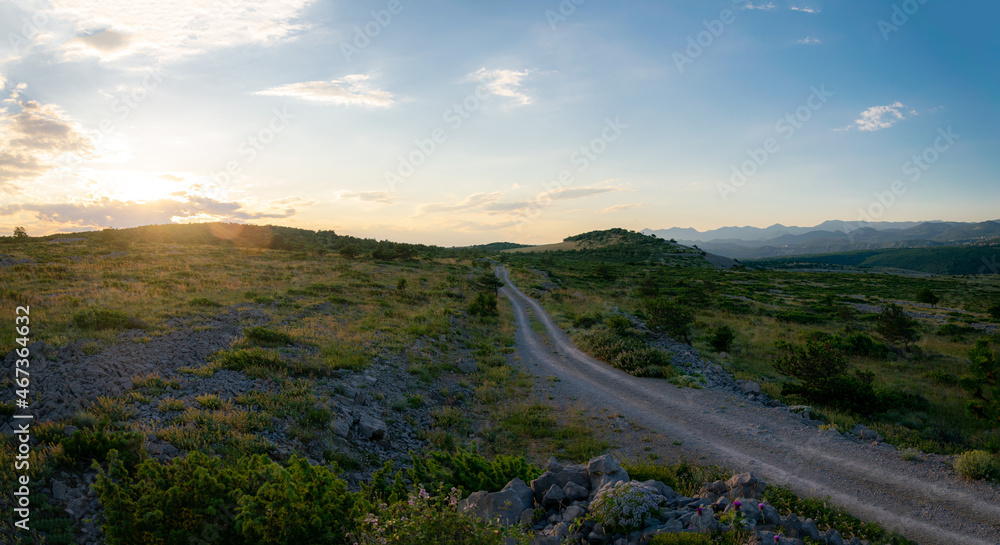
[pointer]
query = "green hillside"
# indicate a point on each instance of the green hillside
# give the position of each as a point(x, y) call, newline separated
point(953, 260)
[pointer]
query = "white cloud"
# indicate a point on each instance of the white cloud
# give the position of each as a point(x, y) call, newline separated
point(505, 83)
point(809, 40)
point(347, 91)
point(620, 207)
point(476, 200)
point(379, 197)
point(880, 117)
point(172, 30)
point(36, 138)
point(766, 7)
point(804, 10)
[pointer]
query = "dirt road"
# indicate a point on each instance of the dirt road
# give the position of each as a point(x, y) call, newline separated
point(922, 500)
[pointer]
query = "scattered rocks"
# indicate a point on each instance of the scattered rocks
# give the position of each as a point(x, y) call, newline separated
point(563, 504)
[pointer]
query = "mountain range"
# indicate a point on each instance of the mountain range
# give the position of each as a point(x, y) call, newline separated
point(831, 236)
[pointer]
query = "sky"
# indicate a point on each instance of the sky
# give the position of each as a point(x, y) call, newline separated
point(453, 123)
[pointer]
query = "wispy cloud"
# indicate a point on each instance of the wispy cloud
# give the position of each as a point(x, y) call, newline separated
point(476, 200)
point(106, 212)
point(34, 138)
point(172, 30)
point(379, 197)
point(620, 207)
point(881, 117)
point(765, 7)
point(804, 9)
point(809, 40)
point(348, 91)
point(505, 83)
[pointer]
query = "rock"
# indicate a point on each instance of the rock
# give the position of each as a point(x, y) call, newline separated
point(704, 521)
point(570, 474)
point(663, 489)
point(792, 525)
point(59, 490)
point(575, 492)
point(809, 529)
point(604, 470)
point(869, 435)
point(745, 485)
point(602, 465)
point(770, 514)
point(832, 537)
point(507, 506)
point(341, 426)
point(750, 509)
point(751, 387)
point(552, 466)
point(553, 497)
point(371, 427)
point(467, 366)
point(573, 512)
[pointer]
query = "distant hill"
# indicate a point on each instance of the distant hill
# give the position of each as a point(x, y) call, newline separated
point(835, 236)
point(953, 260)
point(628, 247)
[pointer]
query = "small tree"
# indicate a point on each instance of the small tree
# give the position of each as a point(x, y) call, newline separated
point(983, 386)
point(349, 252)
point(926, 296)
point(669, 317)
point(896, 327)
point(383, 251)
point(20, 233)
point(995, 311)
point(722, 339)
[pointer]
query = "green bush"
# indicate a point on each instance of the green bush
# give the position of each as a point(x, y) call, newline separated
point(977, 464)
point(103, 318)
point(628, 352)
point(202, 499)
point(261, 336)
point(484, 304)
point(423, 519)
point(469, 471)
point(722, 339)
point(669, 317)
point(681, 539)
point(96, 444)
point(242, 359)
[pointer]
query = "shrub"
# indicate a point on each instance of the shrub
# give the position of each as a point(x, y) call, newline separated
point(984, 383)
point(261, 336)
point(627, 352)
point(862, 345)
point(103, 318)
point(976, 464)
point(625, 507)
point(426, 519)
point(204, 302)
point(243, 358)
point(619, 324)
point(96, 444)
point(681, 539)
point(895, 326)
point(199, 498)
point(669, 317)
point(925, 295)
point(469, 471)
point(722, 339)
point(484, 304)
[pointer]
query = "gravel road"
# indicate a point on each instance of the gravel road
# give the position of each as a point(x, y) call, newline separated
point(924, 501)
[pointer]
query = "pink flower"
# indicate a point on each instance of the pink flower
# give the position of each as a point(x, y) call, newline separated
point(737, 504)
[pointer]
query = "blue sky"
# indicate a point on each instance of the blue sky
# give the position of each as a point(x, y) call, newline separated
point(458, 122)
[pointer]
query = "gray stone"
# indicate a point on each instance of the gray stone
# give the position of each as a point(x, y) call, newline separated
point(832, 537)
point(603, 465)
point(745, 485)
point(467, 366)
point(59, 490)
point(770, 514)
point(749, 509)
point(663, 489)
point(506, 506)
point(371, 427)
point(341, 426)
point(751, 387)
point(704, 522)
point(575, 492)
point(553, 466)
point(869, 435)
point(809, 529)
point(553, 496)
point(573, 512)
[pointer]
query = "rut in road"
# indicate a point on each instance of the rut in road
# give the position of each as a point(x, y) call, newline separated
point(924, 501)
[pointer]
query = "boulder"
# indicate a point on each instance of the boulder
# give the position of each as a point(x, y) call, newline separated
point(372, 428)
point(553, 497)
point(751, 388)
point(575, 492)
point(704, 521)
point(505, 506)
point(745, 485)
point(605, 471)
